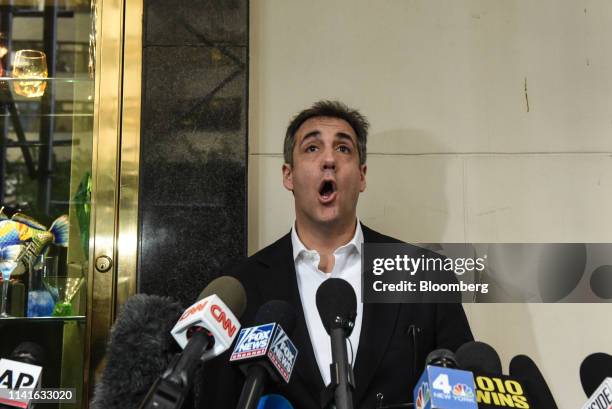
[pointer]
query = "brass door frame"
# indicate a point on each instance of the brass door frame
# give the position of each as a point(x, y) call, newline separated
point(115, 164)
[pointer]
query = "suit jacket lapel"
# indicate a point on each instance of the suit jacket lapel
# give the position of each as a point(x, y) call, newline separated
point(280, 283)
point(377, 327)
point(378, 323)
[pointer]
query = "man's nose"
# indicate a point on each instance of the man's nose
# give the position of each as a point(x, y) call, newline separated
point(329, 160)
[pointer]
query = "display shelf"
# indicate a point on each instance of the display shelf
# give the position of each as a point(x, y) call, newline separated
point(58, 115)
point(74, 318)
point(51, 79)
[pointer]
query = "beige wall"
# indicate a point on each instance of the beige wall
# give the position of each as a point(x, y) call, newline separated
point(491, 122)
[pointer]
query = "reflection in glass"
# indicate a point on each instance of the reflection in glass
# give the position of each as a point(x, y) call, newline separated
point(3, 47)
point(3, 51)
point(40, 302)
point(30, 64)
point(8, 262)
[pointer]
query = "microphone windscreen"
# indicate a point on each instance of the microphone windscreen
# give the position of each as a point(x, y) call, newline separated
point(273, 401)
point(523, 368)
point(29, 353)
point(441, 357)
point(336, 298)
point(139, 350)
point(479, 357)
point(280, 312)
point(230, 290)
point(593, 370)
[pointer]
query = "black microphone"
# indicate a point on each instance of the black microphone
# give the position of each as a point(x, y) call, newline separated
point(337, 305)
point(593, 370)
point(139, 349)
point(493, 389)
point(29, 353)
point(523, 367)
point(264, 352)
point(204, 331)
point(444, 358)
point(479, 357)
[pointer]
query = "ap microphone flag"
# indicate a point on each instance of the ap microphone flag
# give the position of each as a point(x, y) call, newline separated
point(14, 377)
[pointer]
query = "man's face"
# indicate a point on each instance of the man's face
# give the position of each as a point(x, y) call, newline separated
point(326, 177)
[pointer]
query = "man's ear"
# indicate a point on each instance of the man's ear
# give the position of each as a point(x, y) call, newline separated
point(288, 176)
point(363, 169)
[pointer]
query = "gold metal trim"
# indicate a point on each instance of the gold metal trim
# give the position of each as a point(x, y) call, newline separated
point(105, 170)
point(127, 244)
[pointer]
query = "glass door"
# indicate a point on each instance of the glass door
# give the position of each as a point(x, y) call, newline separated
point(68, 141)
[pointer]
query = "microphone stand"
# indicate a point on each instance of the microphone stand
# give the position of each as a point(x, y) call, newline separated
point(340, 390)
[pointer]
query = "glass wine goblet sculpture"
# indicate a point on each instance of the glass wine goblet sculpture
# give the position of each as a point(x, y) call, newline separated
point(63, 288)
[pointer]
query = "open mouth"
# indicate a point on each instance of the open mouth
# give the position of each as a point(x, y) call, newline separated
point(327, 191)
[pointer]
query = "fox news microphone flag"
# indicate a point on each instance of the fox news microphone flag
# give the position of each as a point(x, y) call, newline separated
point(443, 386)
point(265, 352)
point(22, 372)
point(205, 330)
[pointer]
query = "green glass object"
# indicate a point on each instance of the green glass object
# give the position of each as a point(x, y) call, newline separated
point(63, 289)
point(82, 200)
point(62, 309)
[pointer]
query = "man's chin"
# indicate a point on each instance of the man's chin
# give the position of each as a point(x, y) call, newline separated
point(328, 217)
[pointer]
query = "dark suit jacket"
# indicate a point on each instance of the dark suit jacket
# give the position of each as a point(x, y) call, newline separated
point(393, 344)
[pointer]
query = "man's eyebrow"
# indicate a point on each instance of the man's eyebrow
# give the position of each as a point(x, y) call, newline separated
point(311, 134)
point(345, 136)
point(317, 134)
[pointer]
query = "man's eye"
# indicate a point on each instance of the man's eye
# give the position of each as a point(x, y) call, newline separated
point(344, 149)
point(311, 148)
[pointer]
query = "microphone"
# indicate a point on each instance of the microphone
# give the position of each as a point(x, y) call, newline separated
point(523, 367)
point(337, 306)
point(22, 371)
point(264, 352)
point(596, 379)
point(479, 357)
point(442, 385)
point(602, 398)
point(204, 331)
point(139, 349)
point(593, 370)
point(274, 401)
point(493, 390)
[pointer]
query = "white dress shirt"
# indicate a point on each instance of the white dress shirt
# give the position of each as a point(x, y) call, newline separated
point(347, 266)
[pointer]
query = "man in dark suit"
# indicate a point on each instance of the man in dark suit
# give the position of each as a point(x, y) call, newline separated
point(325, 169)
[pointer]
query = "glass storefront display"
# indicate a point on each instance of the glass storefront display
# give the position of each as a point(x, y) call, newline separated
point(62, 107)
